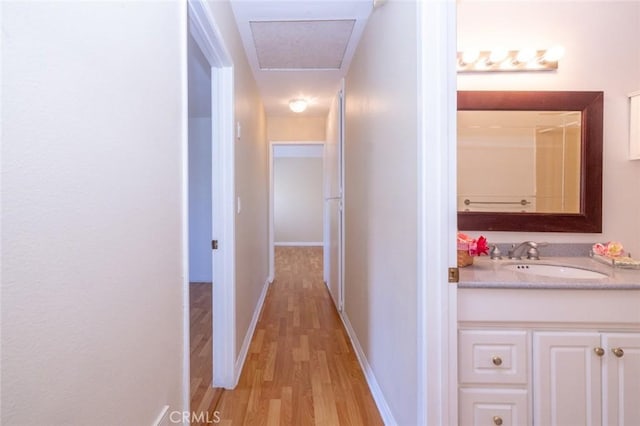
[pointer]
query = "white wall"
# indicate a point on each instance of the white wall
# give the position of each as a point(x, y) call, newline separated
point(200, 185)
point(486, 157)
point(602, 42)
point(92, 270)
point(200, 210)
point(286, 128)
point(381, 202)
point(298, 200)
point(251, 177)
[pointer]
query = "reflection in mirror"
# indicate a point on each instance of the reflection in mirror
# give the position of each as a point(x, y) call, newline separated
point(538, 169)
point(519, 161)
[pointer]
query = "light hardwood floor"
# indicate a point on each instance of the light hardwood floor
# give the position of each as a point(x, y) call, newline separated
point(301, 368)
point(203, 396)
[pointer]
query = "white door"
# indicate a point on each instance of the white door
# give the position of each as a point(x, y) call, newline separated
point(567, 381)
point(333, 204)
point(621, 378)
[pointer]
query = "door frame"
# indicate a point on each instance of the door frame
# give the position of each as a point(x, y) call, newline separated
point(272, 145)
point(437, 214)
point(340, 117)
point(202, 27)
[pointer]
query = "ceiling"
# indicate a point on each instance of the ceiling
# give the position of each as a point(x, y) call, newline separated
point(300, 48)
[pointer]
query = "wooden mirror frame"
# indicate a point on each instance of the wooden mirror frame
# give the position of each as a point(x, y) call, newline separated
point(589, 220)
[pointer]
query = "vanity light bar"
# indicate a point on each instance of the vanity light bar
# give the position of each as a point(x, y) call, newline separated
point(509, 60)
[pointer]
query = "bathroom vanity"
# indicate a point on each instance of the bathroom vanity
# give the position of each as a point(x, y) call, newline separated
point(549, 347)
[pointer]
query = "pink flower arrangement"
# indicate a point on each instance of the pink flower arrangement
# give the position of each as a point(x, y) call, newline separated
point(473, 246)
point(610, 249)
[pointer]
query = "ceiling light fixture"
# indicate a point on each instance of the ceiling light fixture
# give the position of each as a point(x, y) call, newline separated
point(298, 105)
point(500, 59)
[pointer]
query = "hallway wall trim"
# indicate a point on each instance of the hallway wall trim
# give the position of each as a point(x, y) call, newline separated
point(374, 387)
point(246, 344)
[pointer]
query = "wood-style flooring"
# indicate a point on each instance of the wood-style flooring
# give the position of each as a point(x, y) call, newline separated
point(301, 368)
point(203, 396)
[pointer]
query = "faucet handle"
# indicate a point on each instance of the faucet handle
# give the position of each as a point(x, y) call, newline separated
point(495, 252)
point(533, 253)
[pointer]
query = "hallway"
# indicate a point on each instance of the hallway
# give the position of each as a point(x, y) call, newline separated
point(301, 368)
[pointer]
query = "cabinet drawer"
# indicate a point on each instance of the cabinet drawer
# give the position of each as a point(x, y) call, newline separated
point(500, 407)
point(493, 356)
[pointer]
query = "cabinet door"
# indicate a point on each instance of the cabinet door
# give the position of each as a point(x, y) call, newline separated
point(567, 380)
point(621, 399)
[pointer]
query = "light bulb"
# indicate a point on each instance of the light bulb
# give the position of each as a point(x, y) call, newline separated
point(470, 56)
point(525, 55)
point(498, 55)
point(298, 105)
point(553, 54)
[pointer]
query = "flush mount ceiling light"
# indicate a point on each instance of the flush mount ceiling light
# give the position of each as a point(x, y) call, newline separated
point(298, 105)
point(500, 59)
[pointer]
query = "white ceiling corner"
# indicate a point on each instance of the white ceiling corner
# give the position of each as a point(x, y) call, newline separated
point(300, 48)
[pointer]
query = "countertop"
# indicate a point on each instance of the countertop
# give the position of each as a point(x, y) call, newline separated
point(487, 273)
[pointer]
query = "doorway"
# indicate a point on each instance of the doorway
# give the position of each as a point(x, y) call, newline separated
point(296, 193)
point(209, 209)
point(202, 393)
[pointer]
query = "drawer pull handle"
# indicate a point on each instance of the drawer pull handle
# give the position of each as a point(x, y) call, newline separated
point(599, 351)
point(618, 352)
point(497, 420)
point(497, 361)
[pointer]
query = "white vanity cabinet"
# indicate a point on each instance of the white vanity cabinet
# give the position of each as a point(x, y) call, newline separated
point(586, 378)
point(548, 357)
point(494, 377)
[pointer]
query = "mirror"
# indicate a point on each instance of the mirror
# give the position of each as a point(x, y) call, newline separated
point(530, 161)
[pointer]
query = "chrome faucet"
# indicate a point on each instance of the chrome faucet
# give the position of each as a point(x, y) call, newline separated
point(532, 252)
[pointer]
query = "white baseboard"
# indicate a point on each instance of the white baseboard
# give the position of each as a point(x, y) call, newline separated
point(244, 350)
point(376, 392)
point(298, 244)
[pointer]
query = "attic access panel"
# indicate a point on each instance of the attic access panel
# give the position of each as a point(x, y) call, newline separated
point(282, 45)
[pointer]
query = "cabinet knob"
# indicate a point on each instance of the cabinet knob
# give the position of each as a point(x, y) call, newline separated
point(496, 361)
point(618, 352)
point(599, 351)
point(497, 420)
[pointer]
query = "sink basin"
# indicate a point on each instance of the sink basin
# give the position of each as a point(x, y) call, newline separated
point(555, 271)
